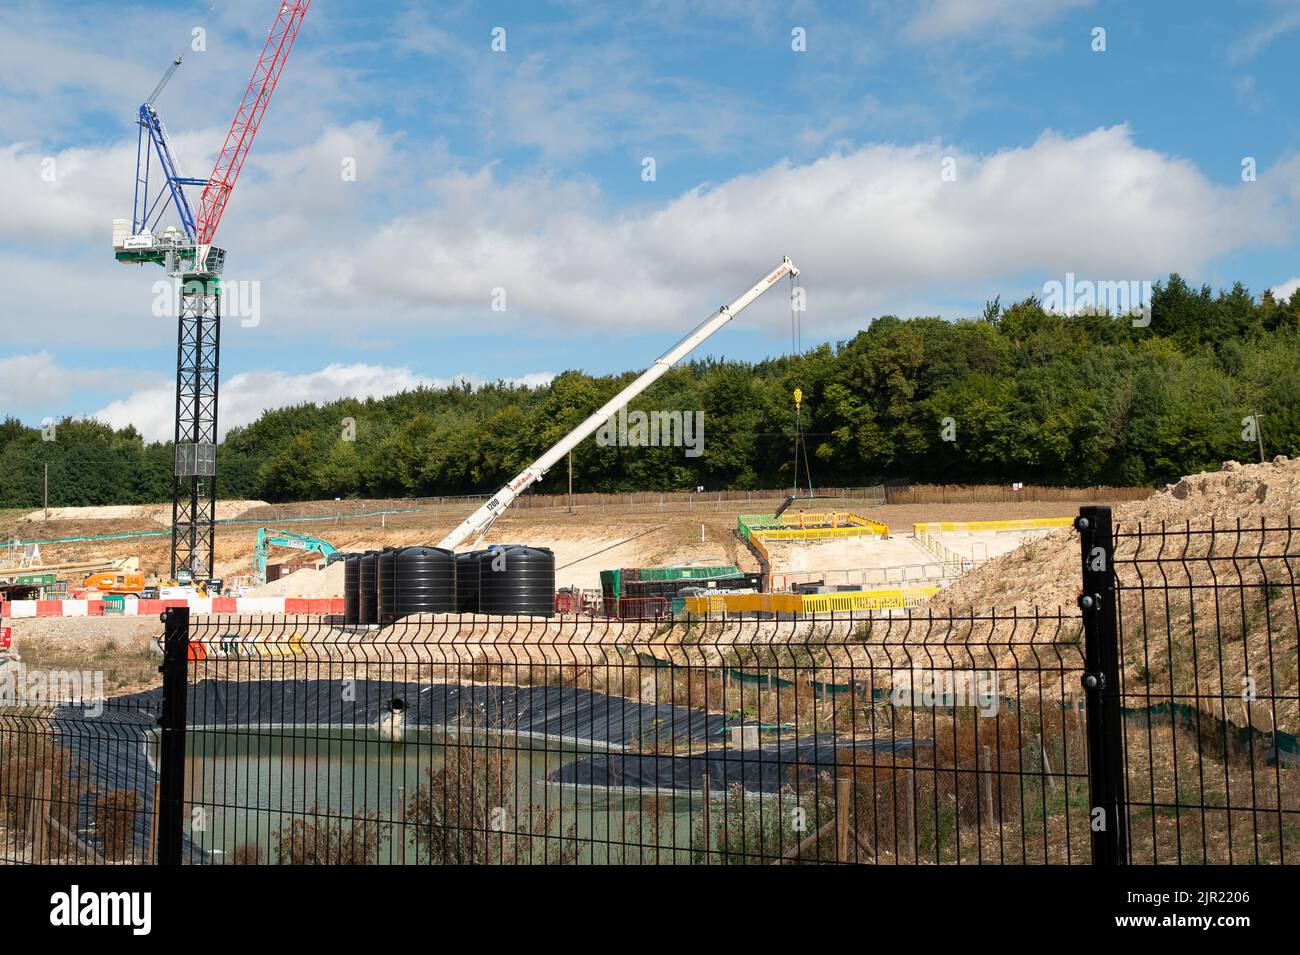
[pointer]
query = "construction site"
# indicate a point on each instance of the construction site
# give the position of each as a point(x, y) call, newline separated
point(85, 575)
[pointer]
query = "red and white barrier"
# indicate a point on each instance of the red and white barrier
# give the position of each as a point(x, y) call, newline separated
point(200, 606)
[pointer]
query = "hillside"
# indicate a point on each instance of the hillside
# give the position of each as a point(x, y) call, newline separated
point(1033, 397)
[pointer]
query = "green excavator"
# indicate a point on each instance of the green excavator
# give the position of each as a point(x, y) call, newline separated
point(267, 537)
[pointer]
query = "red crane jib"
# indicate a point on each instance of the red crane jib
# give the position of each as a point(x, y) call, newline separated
point(247, 118)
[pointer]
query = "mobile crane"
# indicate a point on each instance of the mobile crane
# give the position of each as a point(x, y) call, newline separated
point(478, 523)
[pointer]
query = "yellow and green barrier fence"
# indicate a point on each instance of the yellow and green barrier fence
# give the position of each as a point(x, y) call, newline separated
point(813, 525)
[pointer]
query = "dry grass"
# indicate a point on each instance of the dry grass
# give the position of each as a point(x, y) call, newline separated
point(316, 838)
point(38, 775)
point(114, 815)
point(470, 812)
point(246, 854)
point(125, 668)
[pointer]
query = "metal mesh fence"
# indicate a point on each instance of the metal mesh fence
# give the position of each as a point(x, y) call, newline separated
point(897, 737)
point(1207, 621)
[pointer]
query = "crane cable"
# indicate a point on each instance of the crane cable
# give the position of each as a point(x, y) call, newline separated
point(176, 60)
point(166, 78)
point(796, 343)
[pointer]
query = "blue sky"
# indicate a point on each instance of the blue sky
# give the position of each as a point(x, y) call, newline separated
point(522, 170)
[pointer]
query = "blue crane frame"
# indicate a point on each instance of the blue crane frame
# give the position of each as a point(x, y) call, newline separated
point(147, 211)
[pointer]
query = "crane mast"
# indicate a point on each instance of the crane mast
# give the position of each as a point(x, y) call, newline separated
point(478, 523)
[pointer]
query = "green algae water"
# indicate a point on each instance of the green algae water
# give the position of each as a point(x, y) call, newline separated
point(253, 791)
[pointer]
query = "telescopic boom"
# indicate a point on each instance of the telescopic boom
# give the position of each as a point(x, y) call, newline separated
point(477, 524)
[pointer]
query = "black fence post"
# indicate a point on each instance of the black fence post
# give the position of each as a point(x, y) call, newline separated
point(171, 754)
point(1101, 687)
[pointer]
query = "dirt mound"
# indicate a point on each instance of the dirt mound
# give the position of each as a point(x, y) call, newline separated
point(307, 582)
point(159, 513)
point(1044, 573)
point(1207, 600)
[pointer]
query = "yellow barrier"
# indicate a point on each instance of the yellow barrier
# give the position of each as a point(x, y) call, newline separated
point(238, 645)
point(811, 603)
point(869, 599)
point(977, 527)
point(819, 533)
point(855, 524)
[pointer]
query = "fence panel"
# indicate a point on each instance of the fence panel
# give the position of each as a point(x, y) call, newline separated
point(78, 782)
point(1208, 655)
point(853, 738)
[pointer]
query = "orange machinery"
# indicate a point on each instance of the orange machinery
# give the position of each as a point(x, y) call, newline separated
point(115, 582)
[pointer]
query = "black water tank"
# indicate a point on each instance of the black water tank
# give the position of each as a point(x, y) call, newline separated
point(351, 589)
point(385, 585)
point(424, 581)
point(467, 581)
point(366, 587)
point(514, 579)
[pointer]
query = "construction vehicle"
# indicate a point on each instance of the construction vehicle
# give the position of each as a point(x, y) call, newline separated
point(116, 583)
point(478, 523)
point(267, 537)
point(186, 251)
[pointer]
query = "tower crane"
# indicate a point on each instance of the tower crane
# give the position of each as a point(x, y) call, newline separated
point(478, 523)
point(187, 253)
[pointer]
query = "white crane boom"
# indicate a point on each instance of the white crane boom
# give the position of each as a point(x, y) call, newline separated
point(477, 524)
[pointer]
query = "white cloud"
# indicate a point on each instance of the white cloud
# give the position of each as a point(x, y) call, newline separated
point(875, 229)
point(1285, 290)
point(245, 396)
point(1006, 21)
point(64, 194)
point(1283, 21)
point(38, 381)
point(283, 195)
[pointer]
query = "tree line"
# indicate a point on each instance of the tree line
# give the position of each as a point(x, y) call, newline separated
point(1017, 394)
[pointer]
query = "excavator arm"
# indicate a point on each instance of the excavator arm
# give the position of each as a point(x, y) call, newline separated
point(267, 537)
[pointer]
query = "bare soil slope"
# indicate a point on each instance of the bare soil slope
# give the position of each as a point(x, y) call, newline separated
point(1207, 572)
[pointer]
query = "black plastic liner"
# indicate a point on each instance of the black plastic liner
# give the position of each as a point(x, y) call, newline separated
point(766, 768)
point(559, 712)
point(116, 746)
